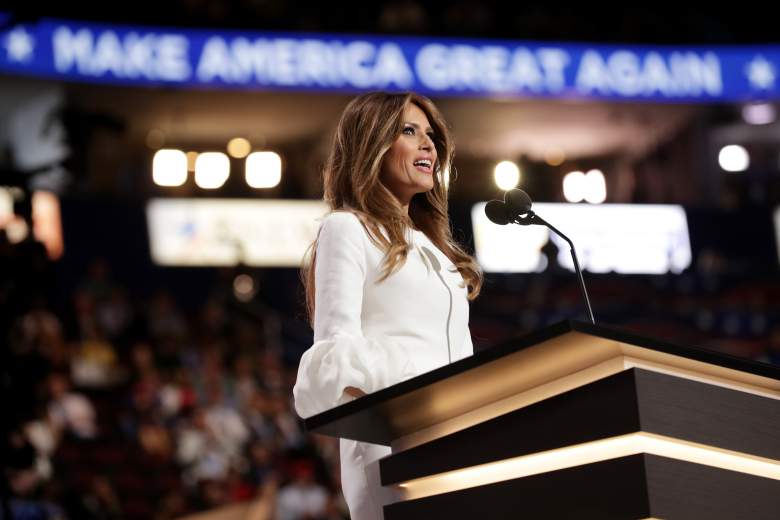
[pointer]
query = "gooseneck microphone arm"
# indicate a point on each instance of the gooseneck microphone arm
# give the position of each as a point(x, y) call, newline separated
point(516, 208)
point(532, 218)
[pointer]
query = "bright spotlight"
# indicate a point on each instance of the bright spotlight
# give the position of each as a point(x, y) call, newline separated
point(263, 169)
point(574, 186)
point(169, 167)
point(595, 187)
point(212, 169)
point(734, 158)
point(506, 175)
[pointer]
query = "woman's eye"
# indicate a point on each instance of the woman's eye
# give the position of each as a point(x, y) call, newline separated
point(410, 129)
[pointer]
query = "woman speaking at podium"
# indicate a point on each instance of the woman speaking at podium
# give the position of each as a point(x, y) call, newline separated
point(387, 287)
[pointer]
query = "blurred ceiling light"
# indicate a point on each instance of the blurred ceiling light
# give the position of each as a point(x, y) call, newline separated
point(263, 169)
point(212, 169)
point(595, 187)
point(554, 156)
point(759, 113)
point(155, 139)
point(244, 287)
point(169, 167)
point(239, 147)
point(574, 186)
point(734, 158)
point(506, 175)
point(191, 158)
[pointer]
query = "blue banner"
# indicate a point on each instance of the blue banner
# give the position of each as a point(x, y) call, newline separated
point(99, 53)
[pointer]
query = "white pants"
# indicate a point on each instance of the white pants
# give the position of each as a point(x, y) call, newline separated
point(360, 483)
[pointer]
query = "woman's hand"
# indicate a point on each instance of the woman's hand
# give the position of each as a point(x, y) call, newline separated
point(354, 392)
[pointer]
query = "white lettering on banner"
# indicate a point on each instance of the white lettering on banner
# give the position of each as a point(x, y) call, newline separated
point(625, 73)
point(494, 64)
point(431, 66)
point(319, 64)
point(72, 49)
point(364, 64)
point(150, 56)
point(108, 56)
point(172, 61)
point(357, 57)
point(524, 72)
point(464, 67)
point(492, 68)
point(307, 62)
point(698, 74)
point(554, 62)
point(215, 62)
point(392, 68)
point(283, 62)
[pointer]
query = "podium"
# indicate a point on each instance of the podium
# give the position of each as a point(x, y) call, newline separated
point(577, 421)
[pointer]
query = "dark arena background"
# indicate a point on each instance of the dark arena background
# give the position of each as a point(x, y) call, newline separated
point(161, 178)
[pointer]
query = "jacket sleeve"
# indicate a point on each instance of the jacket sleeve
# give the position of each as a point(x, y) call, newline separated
point(341, 355)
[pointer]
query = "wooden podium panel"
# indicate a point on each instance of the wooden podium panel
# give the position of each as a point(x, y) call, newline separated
point(628, 402)
point(628, 488)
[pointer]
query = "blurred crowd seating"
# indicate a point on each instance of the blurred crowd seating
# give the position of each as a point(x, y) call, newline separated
point(123, 405)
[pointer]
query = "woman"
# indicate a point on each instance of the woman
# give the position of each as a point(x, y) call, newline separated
point(387, 286)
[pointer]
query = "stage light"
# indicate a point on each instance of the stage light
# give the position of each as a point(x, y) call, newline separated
point(169, 167)
point(239, 147)
point(734, 158)
point(263, 169)
point(506, 175)
point(759, 113)
point(554, 156)
point(212, 169)
point(574, 186)
point(595, 187)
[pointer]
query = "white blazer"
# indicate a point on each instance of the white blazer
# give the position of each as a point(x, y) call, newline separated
point(373, 335)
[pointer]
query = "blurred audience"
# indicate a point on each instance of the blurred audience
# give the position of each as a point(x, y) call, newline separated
point(126, 406)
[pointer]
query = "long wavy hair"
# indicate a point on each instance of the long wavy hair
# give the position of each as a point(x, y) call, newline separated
point(367, 129)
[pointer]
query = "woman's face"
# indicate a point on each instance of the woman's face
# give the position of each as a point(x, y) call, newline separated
point(408, 167)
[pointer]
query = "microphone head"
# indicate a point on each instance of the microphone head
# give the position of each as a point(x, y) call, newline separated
point(497, 212)
point(518, 201)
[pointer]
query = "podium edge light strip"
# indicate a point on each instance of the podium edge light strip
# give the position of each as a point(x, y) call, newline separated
point(588, 453)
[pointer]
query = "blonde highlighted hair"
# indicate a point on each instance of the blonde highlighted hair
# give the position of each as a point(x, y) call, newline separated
point(367, 129)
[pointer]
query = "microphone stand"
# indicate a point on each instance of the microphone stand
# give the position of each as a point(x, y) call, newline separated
point(532, 218)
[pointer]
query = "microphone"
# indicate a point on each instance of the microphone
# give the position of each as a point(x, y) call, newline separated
point(518, 200)
point(516, 209)
point(498, 212)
